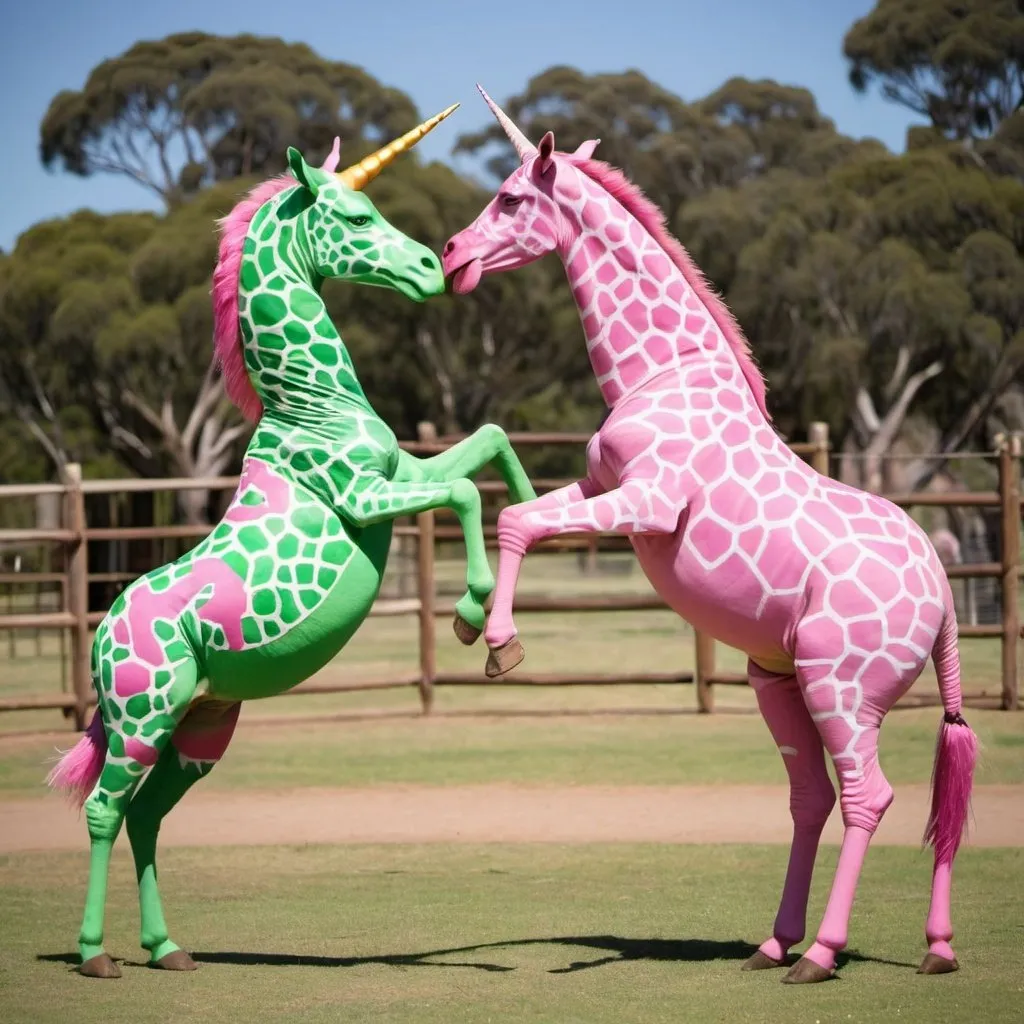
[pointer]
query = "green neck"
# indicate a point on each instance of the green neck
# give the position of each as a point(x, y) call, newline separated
point(295, 357)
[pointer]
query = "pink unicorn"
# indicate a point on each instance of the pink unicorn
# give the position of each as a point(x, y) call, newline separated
point(835, 595)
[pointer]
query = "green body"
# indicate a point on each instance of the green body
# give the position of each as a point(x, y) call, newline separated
point(290, 573)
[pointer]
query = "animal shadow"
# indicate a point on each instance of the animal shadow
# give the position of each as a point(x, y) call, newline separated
point(240, 959)
point(617, 949)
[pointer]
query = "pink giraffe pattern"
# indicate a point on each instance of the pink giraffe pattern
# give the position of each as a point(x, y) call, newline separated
point(836, 595)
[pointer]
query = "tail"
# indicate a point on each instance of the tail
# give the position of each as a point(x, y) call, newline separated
point(956, 753)
point(77, 772)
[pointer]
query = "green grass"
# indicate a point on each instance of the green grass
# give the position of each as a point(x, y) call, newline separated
point(526, 933)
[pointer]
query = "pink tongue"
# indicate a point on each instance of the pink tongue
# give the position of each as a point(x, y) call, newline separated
point(467, 278)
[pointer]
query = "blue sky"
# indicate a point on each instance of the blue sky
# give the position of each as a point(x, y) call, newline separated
point(434, 50)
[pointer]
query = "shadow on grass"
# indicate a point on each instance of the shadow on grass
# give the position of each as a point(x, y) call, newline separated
point(619, 950)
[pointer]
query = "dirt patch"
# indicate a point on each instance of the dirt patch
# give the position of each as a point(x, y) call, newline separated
point(502, 814)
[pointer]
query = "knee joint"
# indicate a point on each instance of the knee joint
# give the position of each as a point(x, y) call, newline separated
point(864, 803)
point(512, 535)
point(102, 820)
point(494, 434)
point(812, 803)
point(465, 496)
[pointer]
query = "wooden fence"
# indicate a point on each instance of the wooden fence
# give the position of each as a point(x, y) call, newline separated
point(76, 620)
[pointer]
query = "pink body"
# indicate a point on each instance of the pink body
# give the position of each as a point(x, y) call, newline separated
point(836, 595)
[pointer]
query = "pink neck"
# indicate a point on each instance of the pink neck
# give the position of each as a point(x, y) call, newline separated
point(639, 314)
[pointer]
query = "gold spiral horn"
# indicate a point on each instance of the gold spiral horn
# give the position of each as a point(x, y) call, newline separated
point(359, 175)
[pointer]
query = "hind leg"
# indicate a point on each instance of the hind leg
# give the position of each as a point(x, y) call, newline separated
point(136, 735)
point(811, 799)
point(848, 723)
point(196, 745)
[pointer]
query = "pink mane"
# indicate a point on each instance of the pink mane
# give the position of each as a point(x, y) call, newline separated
point(227, 337)
point(613, 181)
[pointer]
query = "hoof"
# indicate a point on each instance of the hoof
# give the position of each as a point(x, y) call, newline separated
point(467, 633)
point(935, 964)
point(178, 960)
point(504, 658)
point(761, 962)
point(806, 972)
point(100, 967)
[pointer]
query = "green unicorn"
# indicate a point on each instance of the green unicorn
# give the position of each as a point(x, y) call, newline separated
point(289, 574)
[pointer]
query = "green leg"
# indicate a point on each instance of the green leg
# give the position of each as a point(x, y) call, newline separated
point(166, 785)
point(104, 813)
point(489, 444)
point(410, 493)
point(108, 803)
point(469, 609)
point(203, 734)
point(103, 822)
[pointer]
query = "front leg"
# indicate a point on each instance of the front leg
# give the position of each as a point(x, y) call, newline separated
point(488, 444)
point(506, 651)
point(373, 499)
point(637, 506)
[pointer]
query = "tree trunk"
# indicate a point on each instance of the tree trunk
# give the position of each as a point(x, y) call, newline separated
point(203, 448)
point(876, 433)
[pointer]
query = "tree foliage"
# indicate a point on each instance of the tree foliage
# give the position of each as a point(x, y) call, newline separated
point(676, 150)
point(879, 291)
point(959, 64)
point(106, 322)
point(180, 113)
point(884, 284)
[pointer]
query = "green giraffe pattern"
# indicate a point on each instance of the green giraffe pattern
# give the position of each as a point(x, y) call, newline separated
point(291, 571)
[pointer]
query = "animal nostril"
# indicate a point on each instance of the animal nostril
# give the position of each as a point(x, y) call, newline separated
point(430, 262)
point(448, 248)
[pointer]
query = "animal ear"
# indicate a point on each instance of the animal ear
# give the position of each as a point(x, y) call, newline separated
point(304, 174)
point(585, 150)
point(545, 150)
point(331, 163)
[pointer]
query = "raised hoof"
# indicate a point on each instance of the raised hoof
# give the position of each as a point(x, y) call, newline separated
point(178, 960)
point(467, 633)
point(935, 964)
point(504, 658)
point(761, 961)
point(806, 972)
point(100, 967)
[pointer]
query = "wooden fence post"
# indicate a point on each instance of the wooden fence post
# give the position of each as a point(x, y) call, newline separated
point(703, 671)
point(1009, 494)
point(817, 434)
point(78, 591)
point(426, 586)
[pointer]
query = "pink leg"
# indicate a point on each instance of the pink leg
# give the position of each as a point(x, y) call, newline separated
point(514, 539)
point(636, 506)
point(939, 927)
point(812, 798)
point(849, 730)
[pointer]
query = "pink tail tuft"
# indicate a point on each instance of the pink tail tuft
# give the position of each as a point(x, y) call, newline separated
point(77, 772)
point(952, 778)
point(956, 753)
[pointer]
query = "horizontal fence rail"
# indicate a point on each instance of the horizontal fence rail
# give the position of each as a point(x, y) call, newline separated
point(75, 620)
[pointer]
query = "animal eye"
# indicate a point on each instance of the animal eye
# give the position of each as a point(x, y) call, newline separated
point(358, 222)
point(510, 201)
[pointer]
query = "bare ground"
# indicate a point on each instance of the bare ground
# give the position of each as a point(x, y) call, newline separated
point(502, 813)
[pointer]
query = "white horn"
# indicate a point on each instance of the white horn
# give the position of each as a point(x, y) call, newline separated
point(524, 147)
